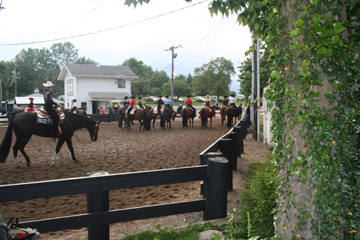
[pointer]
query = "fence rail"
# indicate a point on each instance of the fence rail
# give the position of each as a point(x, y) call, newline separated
point(215, 171)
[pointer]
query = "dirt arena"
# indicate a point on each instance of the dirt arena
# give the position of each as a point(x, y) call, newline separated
point(118, 151)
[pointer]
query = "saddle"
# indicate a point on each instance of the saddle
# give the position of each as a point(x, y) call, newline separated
point(210, 110)
point(44, 118)
point(132, 110)
point(161, 109)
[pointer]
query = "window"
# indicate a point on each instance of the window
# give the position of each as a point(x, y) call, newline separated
point(121, 83)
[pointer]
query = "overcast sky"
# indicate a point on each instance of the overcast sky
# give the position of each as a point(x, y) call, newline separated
point(112, 32)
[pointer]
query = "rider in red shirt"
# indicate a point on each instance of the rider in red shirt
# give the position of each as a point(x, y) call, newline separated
point(188, 103)
point(31, 105)
point(131, 105)
point(207, 104)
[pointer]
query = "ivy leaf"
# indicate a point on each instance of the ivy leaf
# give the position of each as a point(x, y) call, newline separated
point(306, 48)
point(299, 22)
point(305, 64)
point(299, 119)
point(303, 100)
point(316, 17)
point(338, 28)
point(295, 32)
point(270, 105)
point(275, 74)
point(314, 2)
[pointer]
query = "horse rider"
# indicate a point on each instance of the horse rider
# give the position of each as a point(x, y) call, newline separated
point(126, 101)
point(49, 102)
point(140, 103)
point(74, 106)
point(225, 101)
point(131, 106)
point(232, 102)
point(189, 103)
point(179, 109)
point(207, 104)
point(240, 111)
point(31, 105)
point(160, 103)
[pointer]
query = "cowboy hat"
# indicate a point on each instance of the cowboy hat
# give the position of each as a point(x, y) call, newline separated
point(30, 98)
point(126, 97)
point(48, 84)
point(132, 97)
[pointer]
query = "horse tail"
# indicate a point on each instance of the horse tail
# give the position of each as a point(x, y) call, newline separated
point(146, 121)
point(162, 122)
point(184, 120)
point(229, 116)
point(120, 121)
point(6, 143)
point(203, 117)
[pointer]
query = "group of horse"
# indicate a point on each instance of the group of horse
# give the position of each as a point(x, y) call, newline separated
point(25, 124)
point(149, 114)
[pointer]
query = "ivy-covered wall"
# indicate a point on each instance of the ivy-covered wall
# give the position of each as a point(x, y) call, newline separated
point(314, 88)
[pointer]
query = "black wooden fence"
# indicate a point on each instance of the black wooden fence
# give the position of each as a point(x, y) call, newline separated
point(97, 189)
point(215, 171)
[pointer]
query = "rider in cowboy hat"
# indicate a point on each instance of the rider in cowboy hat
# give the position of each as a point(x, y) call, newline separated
point(232, 102)
point(189, 103)
point(160, 103)
point(49, 102)
point(140, 103)
point(31, 104)
point(74, 106)
point(126, 101)
point(131, 105)
point(226, 100)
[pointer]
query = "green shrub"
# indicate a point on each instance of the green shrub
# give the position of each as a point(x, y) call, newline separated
point(257, 203)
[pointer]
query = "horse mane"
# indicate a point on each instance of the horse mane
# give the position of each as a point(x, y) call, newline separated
point(78, 121)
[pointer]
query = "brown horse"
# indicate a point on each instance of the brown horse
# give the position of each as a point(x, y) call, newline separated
point(231, 112)
point(223, 110)
point(152, 115)
point(204, 115)
point(187, 116)
point(122, 114)
point(141, 115)
point(166, 116)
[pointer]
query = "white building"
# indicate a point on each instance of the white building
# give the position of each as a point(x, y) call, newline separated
point(24, 100)
point(95, 86)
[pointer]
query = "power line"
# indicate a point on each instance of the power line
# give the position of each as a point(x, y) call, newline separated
point(105, 30)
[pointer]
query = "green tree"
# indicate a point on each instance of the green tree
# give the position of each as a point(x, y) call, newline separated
point(64, 53)
point(189, 80)
point(6, 68)
point(140, 86)
point(157, 81)
point(84, 60)
point(214, 77)
point(181, 87)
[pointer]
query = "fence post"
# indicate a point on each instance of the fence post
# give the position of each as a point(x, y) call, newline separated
point(216, 200)
point(244, 128)
point(234, 138)
point(227, 149)
point(98, 202)
point(238, 130)
point(204, 158)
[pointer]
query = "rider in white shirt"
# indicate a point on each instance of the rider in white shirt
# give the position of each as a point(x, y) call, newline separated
point(232, 101)
point(74, 106)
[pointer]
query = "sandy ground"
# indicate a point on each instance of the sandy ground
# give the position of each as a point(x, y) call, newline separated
point(119, 151)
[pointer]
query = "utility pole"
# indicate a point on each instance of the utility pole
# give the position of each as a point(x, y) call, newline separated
point(173, 55)
point(255, 99)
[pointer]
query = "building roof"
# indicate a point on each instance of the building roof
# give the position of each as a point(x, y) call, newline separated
point(38, 99)
point(89, 70)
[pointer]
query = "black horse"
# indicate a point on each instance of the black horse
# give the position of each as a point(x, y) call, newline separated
point(25, 125)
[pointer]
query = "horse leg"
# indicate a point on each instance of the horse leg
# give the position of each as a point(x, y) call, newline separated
point(154, 123)
point(70, 146)
point(141, 124)
point(211, 122)
point(20, 145)
point(57, 150)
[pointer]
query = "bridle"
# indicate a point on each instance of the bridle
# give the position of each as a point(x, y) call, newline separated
point(94, 137)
